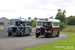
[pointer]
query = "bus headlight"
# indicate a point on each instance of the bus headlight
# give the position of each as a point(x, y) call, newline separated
point(45, 31)
point(38, 31)
point(18, 29)
point(49, 31)
point(10, 29)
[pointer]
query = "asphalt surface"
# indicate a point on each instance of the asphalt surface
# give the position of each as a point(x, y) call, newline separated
point(3, 34)
point(19, 43)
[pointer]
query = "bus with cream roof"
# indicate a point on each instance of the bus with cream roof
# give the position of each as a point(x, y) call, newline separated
point(47, 27)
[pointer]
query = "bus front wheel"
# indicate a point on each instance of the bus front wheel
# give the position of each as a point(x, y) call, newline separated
point(9, 34)
point(46, 35)
point(21, 34)
point(37, 36)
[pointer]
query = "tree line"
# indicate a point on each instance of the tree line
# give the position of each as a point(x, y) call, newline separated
point(60, 15)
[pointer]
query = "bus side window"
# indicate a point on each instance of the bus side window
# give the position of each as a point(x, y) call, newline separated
point(55, 24)
point(28, 24)
point(25, 24)
point(50, 24)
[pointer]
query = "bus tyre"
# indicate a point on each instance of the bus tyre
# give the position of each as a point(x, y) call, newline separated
point(58, 34)
point(21, 34)
point(17, 34)
point(46, 35)
point(37, 36)
point(9, 34)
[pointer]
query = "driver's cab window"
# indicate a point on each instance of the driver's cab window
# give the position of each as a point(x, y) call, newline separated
point(50, 24)
point(39, 23)
point(47, 24)
point(19, 23)
point(55, 24)
point(27, 23)
point(11, 23)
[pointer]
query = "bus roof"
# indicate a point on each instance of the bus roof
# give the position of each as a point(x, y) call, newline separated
point(20, 20)
point(47, 20)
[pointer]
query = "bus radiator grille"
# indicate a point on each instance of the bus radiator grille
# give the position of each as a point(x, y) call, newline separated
point(14, 29)
point(42, 30)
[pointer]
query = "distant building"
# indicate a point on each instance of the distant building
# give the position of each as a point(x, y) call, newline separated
point(4, 23)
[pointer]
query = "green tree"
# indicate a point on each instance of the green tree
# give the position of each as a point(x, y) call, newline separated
point(35, 18)
point(58, 15)
point(71, 20)
point(63, 18)
point(29, 18)
point(61, 15)
point(67, 20)
point(62, 25)
point(33, 22)
point(20, 17)
point(51, 17)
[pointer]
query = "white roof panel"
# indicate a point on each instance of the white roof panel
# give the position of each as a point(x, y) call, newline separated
point(49, 20)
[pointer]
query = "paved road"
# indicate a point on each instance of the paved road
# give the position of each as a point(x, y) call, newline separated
point(20, 43)
point(4, 34)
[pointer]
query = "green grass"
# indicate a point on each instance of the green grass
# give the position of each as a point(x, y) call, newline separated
point(3, 29)
point(65, 44)
point(69, 29)
point(68, 43)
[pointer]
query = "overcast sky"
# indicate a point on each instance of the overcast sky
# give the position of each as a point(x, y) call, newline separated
point(35, 8)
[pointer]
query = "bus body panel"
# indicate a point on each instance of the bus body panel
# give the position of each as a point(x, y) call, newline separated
point(27, 29)
point(19, 25)
point(50, 27)
point(55, 31)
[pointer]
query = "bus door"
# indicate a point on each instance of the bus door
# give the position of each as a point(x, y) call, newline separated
point(27, 27)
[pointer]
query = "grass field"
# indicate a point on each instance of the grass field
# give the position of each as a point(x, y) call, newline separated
point(69, 29)
point(65, 44)
point(4, 29)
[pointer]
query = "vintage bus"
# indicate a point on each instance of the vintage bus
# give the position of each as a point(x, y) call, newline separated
point(19, 26)
point(47, 27)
